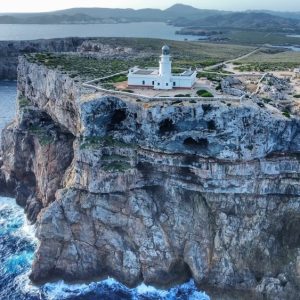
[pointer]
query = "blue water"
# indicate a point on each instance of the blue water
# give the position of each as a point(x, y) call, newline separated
point(292, 48)
point(18, 243)
point(141, 29)
point(8, 92)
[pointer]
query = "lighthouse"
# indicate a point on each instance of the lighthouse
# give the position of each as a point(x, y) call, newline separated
point(161, 78)
point(165, 70)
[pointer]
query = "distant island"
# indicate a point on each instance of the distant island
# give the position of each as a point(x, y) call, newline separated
point(178, 15)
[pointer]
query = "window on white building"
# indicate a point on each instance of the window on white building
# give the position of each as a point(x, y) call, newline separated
point(174, 83)
point(167, 84)
point(152, 82)
point(143, 82)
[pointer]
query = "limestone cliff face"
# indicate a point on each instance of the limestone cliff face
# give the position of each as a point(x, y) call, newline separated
point(10, 50)
point(156, 192)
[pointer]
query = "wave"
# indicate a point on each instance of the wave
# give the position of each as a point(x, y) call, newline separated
point(17, 246)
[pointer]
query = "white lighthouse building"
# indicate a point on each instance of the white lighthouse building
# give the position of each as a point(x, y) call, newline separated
point(161, 78)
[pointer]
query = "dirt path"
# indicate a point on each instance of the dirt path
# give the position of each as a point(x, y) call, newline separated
point(231, 60)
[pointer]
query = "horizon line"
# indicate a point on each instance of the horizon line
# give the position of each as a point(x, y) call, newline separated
point(137, 9)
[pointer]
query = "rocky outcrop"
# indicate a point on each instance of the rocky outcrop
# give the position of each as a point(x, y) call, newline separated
point(156, 192)
point(10, 50)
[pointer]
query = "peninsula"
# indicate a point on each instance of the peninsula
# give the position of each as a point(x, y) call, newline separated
point(159, 185)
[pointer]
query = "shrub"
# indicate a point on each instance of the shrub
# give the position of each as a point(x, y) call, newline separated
point(267, 100)
point(260, 104)
point(204, 93)
point(182, 95)
point(286, 114)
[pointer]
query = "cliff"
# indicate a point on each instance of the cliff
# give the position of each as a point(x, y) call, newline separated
point(156, 192)
point(10, 50)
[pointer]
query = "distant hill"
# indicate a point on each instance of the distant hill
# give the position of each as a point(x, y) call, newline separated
point(245, 20)
point(289, 15)
point(178, 15)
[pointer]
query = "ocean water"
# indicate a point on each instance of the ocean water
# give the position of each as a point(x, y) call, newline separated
point(292, 48)
point(18, 243)
point(141, 29)
point(8, 92)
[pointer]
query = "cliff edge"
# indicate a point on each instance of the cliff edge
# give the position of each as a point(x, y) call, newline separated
point(158, 192)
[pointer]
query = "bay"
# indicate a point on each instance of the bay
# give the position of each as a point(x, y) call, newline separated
point(140, 30)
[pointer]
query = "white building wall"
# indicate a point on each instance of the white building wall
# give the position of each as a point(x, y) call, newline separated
point(184, 81)
point(164, 80)
point(162, 83)
point(138, 80)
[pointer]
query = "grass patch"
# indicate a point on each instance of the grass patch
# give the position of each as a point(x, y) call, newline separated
point(267, 100)
point(296, 96)
point(116, 167)
point(252, 37)
point(211, 76)
point(43, 135)
point(23, 102)
point(185, 54)
point(263, 61)
point(117, 78)
point(114, 157)
point(286, 114)
point(182, 95)
point(96, 142)
point(204, 93)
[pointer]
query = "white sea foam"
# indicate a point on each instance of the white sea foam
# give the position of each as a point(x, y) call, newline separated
point(16, 225)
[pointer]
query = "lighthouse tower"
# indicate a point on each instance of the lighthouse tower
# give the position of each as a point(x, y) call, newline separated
point(164, 81)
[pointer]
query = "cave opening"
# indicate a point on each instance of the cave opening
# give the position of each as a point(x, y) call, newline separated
point(211, 125)
point(118, 116)
point(199, 143)
point(166, 126)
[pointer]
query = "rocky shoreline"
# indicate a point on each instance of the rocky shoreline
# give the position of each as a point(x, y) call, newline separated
point(155, 192)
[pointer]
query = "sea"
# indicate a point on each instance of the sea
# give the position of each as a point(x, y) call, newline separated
point(18, 244)
point(142, 29)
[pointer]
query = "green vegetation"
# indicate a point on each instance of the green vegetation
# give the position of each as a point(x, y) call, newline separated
point(267, 100)
point(269, 61)
point(260, 104)
point(296, 96)
point(252, 37)
point(42, 134)
point(114, 157)
point(117, 78)
point(211, 76)
point(182, 95)
point(204, 93)
point(177, 71)
point(96, 142)
point(218, 87)
point(116, 166)
point(115, 163)
point(88, 68)
point(185, 54)
point(23, 102)
point(108, 86)
point(286, 114)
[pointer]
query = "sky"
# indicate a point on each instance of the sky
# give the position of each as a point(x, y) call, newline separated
point(234, 5)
